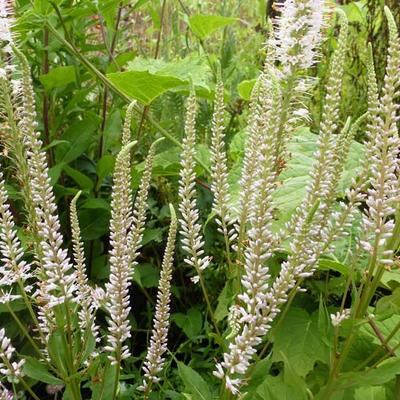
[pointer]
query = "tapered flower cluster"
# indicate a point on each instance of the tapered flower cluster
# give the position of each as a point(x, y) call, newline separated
point(298, 33)
point(8, 367)
point(140, 207)
point(192, 241)
point(13, 269)
point(158, 343)
point(120, 274)
point(219, 169)
point(58, 279)
point(84, 294)
point(253, 324)
point(384, 191)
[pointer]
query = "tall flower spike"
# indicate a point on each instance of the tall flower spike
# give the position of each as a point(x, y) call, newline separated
point(298, 33)
point(9, 368)
point(58, 281)
point(324, 165)
point(384, 192)
point(14, 269)
point(158, 343)
point(253, 324)
point(139, 208)
point(219, 169)
point(120, 273)
point(87, 312)
point(192, 240)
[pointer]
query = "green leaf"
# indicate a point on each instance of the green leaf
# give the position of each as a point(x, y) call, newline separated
point(36, 370)
point(277, 388)
point(146, 275)
point(224, 301)
point(245, 88)
point(257, 377)
point(142, 85)
point(94, 223)
point(370, 393)
point(194, 383)
point(96, 203)
point(326, 265)
point(299, 340)
point(104, 168)
point(15, 305)
point(83, 181)
point(191, 323)
point(103, 388)
point(58, 77)
point(79, 136)
point(147, 79)
point(385, 372)
point(204, 25)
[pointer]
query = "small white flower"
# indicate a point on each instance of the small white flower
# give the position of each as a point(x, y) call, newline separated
point(339, 317)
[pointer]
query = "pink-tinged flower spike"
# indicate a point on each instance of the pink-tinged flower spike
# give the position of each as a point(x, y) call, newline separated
point(120, 272)
point(192, 240)
point(158, 343)
point(9, 368)
point(13, 269)
point(88, 308)
point(298, 33)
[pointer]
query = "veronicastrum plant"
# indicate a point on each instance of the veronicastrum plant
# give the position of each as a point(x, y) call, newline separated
point(69, 347)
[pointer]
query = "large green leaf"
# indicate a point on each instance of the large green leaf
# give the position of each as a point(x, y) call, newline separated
point(147, 79)
point(204, 25)
point(142, 85)
point(194, 383)
point(299, 341)
point(58, 77)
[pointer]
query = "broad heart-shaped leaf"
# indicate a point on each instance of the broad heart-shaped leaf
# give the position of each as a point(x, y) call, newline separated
point(142, 85)
point(194, 68)
point(204, 25)
point(194, 383)
point(146, 79)
point(36, 370)
point(300, 341)
point(58, 77)
point(370, 393)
